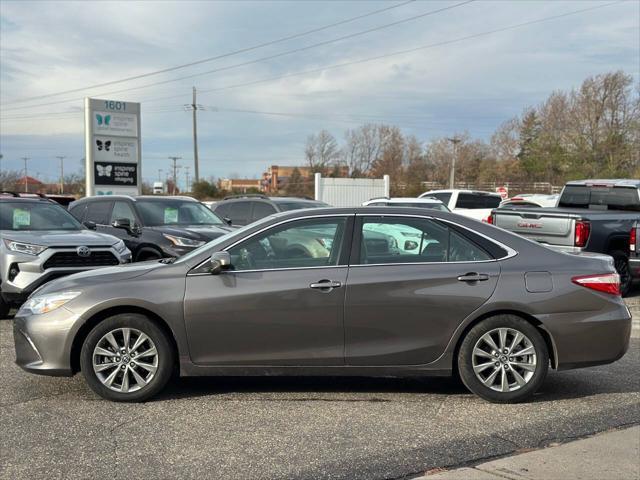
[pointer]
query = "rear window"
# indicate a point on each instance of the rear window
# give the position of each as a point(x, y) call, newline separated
point(476, 200)
point(600, 198)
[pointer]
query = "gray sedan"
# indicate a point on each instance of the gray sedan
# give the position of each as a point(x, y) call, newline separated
point(307, 293)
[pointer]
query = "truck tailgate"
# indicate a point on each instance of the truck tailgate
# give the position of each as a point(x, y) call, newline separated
point(553, 229)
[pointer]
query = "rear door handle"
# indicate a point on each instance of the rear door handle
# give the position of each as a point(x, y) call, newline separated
point(325, 285)
point(473, 277)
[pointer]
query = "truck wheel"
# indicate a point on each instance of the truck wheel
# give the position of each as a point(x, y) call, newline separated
point(503, 359)
point(621, 262)
point(4, 308)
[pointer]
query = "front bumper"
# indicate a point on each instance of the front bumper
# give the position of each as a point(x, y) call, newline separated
point(585, 339)
point(32, 274)
point(43, 342)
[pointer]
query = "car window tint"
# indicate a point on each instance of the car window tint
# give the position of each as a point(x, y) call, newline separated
point(411, 240)
point(296, 244)
point(475, 200)
point(78, 211)
point(36, 216)
point(222, 210)
point(261, 210)
point(240, 213)
point(443, 197)
point(98, 212)
point(122, 210)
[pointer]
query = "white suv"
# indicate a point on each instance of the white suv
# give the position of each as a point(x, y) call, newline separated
point(470, 203)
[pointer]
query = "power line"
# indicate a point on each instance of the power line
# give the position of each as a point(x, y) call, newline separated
point(216, 57)
point(269, 57)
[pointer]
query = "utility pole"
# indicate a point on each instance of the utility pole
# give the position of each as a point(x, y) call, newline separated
point(25, 160)
point(452, 174)
point(194, 106)
point(61, 158)
point(159, 174)
point(175, 172)
point(186, 174)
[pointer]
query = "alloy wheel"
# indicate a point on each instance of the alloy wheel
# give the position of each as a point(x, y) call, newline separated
point(125, 360)
point(504, 359)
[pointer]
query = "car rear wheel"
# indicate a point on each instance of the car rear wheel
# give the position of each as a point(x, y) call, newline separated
point(503, 359)
point(127, 358)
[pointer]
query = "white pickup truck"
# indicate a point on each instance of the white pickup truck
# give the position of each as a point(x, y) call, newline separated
point(469, 203)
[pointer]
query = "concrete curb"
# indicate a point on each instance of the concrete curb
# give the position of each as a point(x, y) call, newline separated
point(613, 454)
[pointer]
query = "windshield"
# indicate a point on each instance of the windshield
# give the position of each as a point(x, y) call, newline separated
point(286, 206)
point(222, 239)
point(600, 197)
point(36, 216)
point(156, 213)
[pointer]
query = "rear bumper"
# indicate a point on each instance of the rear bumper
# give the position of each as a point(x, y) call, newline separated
point(585, 339)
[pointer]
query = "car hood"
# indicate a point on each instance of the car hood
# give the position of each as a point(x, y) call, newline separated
point(78, 281)
point(196, 232)
point(59, 238)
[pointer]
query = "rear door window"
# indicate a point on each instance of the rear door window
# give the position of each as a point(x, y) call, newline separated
point(240, 213)
point(99, 212)
point(475, 201)
point(261, 210)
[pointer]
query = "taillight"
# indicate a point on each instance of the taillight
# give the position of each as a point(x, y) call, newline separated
point(633, 239)
point(604, 282)
point(489, 219)
point(582, 231)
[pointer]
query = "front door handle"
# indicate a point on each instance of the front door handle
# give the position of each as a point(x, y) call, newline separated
point(325, 285)
point(473, 277)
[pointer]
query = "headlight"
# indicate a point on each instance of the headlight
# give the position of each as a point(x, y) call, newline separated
point(46, 303)
point(27, 248)
point(120, 246)
point(182, 241)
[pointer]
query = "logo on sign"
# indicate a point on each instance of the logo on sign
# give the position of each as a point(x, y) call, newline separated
point(103, 119)
point(106, 145)
point(83, 251)
point(104, 170)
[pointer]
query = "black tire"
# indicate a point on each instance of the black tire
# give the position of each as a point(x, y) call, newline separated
point(621, 262)
point(475, 385)
point(146, 254)
point(4, 308)
point(166, 357)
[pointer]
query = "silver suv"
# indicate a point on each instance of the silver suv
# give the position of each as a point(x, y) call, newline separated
point(40, 240)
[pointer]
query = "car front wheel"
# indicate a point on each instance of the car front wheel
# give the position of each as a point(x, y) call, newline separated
point(127, 358)
point(503, 359)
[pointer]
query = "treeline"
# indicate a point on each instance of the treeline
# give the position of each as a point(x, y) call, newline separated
point(592, 131)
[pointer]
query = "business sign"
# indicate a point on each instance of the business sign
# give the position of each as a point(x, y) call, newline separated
point(112, 147)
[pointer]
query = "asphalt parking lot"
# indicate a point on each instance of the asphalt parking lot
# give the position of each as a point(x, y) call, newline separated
point(264, 428)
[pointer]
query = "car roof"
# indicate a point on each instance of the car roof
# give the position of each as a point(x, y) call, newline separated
point(482, 192)
point(615, 182)
point(135, 198)
point(8, 198)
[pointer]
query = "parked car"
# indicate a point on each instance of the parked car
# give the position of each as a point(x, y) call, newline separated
point(592, 216)
point(152, 227)
point(426, 202)
point(40, 241)
point(469, 203)
point(483, 302)
point(245, 209)
point(531, 200)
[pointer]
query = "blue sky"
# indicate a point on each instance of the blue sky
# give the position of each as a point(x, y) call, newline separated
point(470, 85)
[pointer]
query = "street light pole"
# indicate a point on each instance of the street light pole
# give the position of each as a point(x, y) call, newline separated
point(61, 158)
point(175, 170)
point(194, 107)
point(25, 160)
point(452, 174)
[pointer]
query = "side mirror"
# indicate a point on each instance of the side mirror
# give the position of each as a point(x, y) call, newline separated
point(123, 223)
point(219, 261)
point(410, 245)
point(228, 221)
point(90, 225)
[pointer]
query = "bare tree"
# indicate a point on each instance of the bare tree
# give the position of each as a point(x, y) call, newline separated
point(321, 151)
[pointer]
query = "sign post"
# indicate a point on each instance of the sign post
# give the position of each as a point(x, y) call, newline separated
point(112, 147)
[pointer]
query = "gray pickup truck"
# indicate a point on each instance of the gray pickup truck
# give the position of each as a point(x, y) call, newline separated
point(591, 216)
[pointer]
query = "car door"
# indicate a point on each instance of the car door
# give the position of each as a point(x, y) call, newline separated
point(281, 303)
point(403, 302)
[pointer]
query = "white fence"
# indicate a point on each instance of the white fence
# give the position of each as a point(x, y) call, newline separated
point(349, 192)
